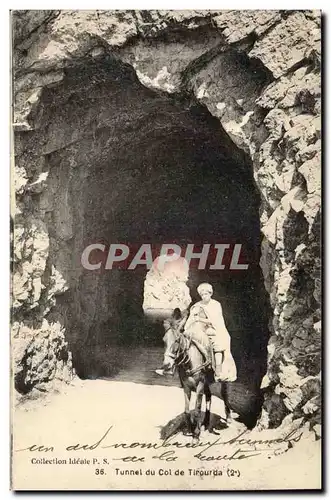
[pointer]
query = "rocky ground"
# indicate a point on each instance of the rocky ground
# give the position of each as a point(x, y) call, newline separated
point(135, 413)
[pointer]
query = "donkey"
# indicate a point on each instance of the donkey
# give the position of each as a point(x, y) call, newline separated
point(192, 356)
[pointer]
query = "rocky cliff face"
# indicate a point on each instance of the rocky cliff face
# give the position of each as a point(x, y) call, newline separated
point(258, 73)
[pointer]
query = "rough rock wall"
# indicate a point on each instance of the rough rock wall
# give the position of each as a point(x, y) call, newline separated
point(41, 359)
point(258, 72)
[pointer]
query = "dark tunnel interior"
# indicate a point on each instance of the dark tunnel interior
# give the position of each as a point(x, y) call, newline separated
point(144, 167)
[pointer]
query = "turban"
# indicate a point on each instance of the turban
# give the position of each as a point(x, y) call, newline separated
point(204, 287)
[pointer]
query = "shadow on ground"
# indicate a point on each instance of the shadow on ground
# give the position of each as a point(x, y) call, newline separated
point(179, 424)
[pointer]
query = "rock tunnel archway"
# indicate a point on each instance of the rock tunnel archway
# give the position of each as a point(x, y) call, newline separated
point(138, 167)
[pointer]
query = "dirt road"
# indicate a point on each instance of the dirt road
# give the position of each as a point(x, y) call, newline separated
point(112, 421)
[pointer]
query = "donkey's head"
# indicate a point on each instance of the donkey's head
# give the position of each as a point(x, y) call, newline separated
point(172, 347)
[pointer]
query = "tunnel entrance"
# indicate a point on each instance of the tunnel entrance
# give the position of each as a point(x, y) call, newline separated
point(145, 167)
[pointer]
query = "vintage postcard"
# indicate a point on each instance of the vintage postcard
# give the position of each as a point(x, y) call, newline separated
point(166, 250)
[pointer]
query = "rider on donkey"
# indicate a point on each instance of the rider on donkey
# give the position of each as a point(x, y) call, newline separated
point(208, 312)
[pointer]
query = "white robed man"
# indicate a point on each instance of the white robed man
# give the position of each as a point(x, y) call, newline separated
point(208, 312)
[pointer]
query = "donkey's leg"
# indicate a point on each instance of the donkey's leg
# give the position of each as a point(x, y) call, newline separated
point(228, 414)
point(197, 411)
point(187, 398)
point(206, 421)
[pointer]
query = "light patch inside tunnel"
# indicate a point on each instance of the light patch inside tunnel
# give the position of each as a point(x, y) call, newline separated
point(165, 288)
